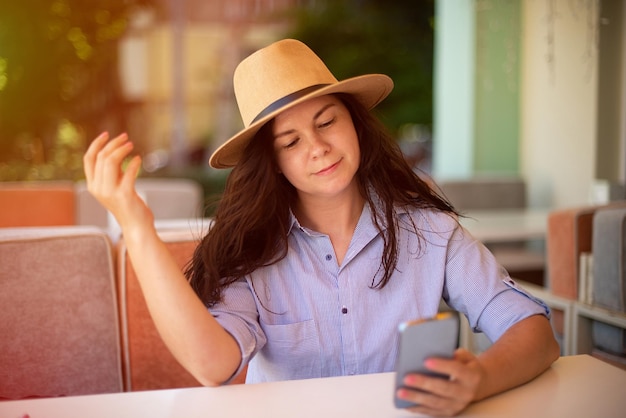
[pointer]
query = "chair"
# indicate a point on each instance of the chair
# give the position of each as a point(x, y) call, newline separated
point(609, 258)
point(485, 193)
point(609, 278)
point(88, 210)
point(59, 329)
point(148, 364)
point(569, 235)
point(569, 242)
point(37, 203)
point(172, 198)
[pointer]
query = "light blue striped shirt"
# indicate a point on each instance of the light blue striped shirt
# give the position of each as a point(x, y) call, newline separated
point(306, 316)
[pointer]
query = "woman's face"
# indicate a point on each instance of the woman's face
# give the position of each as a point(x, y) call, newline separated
point(316, 147)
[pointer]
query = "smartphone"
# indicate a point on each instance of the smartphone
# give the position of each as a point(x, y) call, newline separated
point(421, 339)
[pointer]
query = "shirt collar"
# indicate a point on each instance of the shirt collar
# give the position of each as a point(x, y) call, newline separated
point(294, 223)
point(400, 210)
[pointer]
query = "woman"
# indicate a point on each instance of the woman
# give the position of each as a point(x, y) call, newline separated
point(324, 241)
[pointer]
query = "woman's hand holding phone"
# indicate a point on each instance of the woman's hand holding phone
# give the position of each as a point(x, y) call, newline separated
point(433, 376)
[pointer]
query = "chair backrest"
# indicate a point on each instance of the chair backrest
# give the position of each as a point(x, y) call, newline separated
point(59, 334)
point(37, 203)
point(148, 364)
point(569, 235)
point(172, 198)
point(485, 193)
point(88, 210)
point(609, 259)
point(168, 198)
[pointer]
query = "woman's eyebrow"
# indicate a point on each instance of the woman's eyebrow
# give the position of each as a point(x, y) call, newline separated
point(287, 132)
point(322, 110)
point(317, 115)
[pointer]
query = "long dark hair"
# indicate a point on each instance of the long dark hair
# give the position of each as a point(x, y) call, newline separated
point(251, 222)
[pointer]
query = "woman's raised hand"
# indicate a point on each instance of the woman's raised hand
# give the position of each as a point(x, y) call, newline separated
point(113, 187)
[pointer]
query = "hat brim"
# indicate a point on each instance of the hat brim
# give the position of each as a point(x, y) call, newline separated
point(368, 89)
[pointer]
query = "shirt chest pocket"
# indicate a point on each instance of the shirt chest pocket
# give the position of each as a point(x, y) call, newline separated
point(292, 351)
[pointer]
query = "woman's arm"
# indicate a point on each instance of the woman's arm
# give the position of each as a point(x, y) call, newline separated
point(524, 351)
point(190, 332)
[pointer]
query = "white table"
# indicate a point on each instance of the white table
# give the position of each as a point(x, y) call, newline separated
point(575, 386)
point(506, 225)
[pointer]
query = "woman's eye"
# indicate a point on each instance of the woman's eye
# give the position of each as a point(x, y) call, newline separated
point(291, 144)
point(327, 123)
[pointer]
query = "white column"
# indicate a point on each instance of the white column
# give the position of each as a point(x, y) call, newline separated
point(453, 130)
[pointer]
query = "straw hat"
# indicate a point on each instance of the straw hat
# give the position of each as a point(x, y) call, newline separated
point(281, 76)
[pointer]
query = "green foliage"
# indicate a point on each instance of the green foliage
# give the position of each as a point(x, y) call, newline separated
point(356, 37)
point(58, 66)
point(59, 83)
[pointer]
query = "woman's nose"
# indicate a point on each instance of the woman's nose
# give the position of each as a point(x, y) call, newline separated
point(319, 146)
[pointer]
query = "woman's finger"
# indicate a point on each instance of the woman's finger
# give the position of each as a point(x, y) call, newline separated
point(114, 143)
point(454, 368)
point(89, 159)
point(110, 161)
point(106, 151)
point(130, 174)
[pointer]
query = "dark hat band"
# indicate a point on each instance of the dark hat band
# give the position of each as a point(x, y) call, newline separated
point(284, 101)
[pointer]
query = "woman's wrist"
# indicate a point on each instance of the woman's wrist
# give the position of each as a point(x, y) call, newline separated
point(139, 231)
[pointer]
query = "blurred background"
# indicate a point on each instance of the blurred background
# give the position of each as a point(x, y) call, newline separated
point(525, 89)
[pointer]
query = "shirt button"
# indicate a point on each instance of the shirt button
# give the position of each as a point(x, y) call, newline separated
point(329, 257)
point(344, 310)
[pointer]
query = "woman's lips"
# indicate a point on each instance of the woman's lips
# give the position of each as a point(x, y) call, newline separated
point(328, 169)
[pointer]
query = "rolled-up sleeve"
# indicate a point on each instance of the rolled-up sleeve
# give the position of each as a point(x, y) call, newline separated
point(479, 286)
point(237, 314)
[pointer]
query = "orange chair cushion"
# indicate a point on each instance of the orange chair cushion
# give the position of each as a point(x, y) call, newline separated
point(569, 235)
point(148, 362)
point(37, 205)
